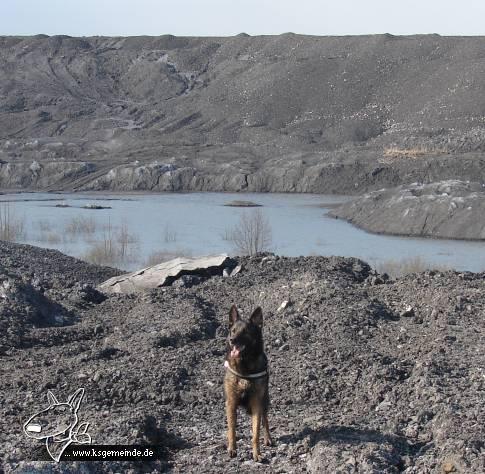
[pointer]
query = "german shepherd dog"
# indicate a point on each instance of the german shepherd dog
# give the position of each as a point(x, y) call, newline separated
point(246, 379)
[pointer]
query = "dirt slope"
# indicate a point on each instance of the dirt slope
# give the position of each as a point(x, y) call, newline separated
point(446, 209)
point(266, 113)
point(367, 375)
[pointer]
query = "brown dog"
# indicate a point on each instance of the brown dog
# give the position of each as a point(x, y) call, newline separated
point(246, 379)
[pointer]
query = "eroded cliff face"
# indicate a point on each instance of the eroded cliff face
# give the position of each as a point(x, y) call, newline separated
point(273, 113)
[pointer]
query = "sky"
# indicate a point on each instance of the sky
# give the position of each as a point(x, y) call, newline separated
point(230, 17)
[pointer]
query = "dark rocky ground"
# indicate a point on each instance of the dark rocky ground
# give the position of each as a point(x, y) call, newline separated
point(446, 209)
point(268, 113)
point(368, 375)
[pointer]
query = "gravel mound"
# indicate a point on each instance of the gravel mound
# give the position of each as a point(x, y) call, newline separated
point(287, 113)
point(446, 209)
point(368, 374)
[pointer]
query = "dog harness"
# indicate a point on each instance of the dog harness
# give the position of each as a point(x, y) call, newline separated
point(257, 375)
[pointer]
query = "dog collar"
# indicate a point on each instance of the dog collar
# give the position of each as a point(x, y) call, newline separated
point(248, 376)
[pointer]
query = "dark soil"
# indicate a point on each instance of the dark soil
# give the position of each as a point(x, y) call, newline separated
point(368, 375)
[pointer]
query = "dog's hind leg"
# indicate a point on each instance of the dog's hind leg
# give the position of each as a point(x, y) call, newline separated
point(266, 435)
point(231, 413)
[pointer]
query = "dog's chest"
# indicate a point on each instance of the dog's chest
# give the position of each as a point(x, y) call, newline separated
point(243, 385)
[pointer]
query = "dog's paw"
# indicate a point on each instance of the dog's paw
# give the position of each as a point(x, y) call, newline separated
point(232, 452)
point(268, 442)
point(257, 457)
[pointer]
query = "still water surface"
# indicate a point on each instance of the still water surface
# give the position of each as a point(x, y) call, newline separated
point(195, 224)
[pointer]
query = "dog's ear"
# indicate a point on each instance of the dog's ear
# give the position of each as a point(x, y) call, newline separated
point(233, 315)
point(257, 317)
point(51, 398)
point(75, 399)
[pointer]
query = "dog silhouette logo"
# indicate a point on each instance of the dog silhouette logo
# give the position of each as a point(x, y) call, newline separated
point(59, 424)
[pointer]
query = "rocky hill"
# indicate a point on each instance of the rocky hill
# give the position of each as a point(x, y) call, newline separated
point(265, 113)
point(368, 374)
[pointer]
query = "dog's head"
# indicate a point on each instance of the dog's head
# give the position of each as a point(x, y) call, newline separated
point(245, 338)
point(56, 419)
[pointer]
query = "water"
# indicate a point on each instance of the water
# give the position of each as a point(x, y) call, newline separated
point(195, 224)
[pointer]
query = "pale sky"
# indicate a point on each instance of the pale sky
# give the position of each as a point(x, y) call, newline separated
point(230, 17)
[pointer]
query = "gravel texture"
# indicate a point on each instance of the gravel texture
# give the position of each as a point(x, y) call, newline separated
point(368, 374)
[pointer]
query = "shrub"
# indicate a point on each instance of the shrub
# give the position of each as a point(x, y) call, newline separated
point(252, 234)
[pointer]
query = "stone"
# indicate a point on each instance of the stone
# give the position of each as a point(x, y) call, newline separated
point(164, 274)
point(408, 311)
point(283, 305)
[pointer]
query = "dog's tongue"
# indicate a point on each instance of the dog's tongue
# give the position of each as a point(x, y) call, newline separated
point(234, 352)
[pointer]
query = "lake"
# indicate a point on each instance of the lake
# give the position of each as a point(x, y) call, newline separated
point(147, 227)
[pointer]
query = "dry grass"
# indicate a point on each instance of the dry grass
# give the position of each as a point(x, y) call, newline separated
point(226, 235)
point(49, 237)
point(44, 225)
point(396, 153)
point(115, 248)
point(406, 266)
point(169, 234)
point(12, 227)
point(81, 226)
point(164, 255)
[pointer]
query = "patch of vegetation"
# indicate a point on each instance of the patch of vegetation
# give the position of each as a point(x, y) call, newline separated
point(164, 255)
point(169, 234)
point(252, 234)
point(116, 247)
point(80, 226)
point(12, 227)
point(412, 153)
point(406, 266)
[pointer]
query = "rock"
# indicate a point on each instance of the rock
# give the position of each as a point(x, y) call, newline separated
point(283, 305)
point(165, 274)
point(384, 406)
point(187, 281)
point(407, 312)
point(236, 270)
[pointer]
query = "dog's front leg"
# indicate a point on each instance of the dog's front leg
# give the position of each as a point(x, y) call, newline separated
point(256, 422)
point(231, 413)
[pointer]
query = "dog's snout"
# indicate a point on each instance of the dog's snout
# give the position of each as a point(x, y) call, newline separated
point(34, 427)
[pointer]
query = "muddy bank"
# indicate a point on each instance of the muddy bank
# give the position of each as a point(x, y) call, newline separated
point(446, 209)
point(367, 374)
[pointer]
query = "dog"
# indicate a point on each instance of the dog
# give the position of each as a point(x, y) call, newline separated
point(246, 379)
